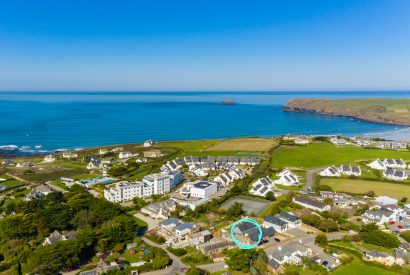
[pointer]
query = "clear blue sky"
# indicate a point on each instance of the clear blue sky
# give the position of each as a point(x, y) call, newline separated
point(204, 45)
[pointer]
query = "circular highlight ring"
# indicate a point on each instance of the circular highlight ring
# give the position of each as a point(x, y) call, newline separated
point(238, 243)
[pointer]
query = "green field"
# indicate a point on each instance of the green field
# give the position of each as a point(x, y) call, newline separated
point(244, 144)
point(357, 267)
point(190, 145)
point(322, 154)
point(395, 190)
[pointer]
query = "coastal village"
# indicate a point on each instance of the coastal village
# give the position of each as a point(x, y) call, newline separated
point(324, 204)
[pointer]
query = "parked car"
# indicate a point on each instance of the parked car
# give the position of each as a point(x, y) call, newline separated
point(391, 222)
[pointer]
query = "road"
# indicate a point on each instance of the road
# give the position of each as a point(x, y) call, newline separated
point(309, 177)
point(213, 267)
point(176, 265)
point(152, 223)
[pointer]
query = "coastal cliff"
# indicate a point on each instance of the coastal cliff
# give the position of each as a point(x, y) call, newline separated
point(380, 110)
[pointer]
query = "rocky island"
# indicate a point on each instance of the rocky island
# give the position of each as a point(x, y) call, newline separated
point(381, 110)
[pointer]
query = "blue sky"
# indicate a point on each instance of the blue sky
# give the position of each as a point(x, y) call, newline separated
point(204, 45)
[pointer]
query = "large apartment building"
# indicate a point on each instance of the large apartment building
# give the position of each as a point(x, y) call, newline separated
point(160, 183)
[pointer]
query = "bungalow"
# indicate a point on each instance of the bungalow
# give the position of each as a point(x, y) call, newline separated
point(159, 210)
point(399, 145)
point(215, 246)
point(292, 253)
point(118, 149)
point(350, 170)
point(385, 200)
point(249, 233)
point(56, 236)
point(311, 204)
point(124, 155)
point(103, 151)
point(301, 141)
point(152, 154)
point(393, 174)
point(287, 178)
point(274, 221)
point(339, 199)
point(330, 171)
point(262, 186)
point(394, 163)
point(108, 161)
point(292, 220)
point(338, 141)
point(377, 164)
point(148, 143)
point(49, 158)
point(39, 192)
point(70, 155)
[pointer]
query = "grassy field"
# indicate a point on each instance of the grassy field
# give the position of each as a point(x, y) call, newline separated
point(357, 267)
point(322, 154)
point(395, 190)
point(244, 144)
point(190, 145)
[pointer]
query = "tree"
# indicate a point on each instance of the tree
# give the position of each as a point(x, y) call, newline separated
point(371, 234)
point(405, 235)
point(240, 259)
point(328, 226)
point(195, 271)
point(139, 203)
point(236, 209)
point(328, 201)
point(403, 200)
point(321, 240)
point(311, 219)
point(270, 196)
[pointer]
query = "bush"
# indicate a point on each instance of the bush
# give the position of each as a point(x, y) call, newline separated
point(371, 234)
point(405, 235)
point(177, 251)
point(321, 240)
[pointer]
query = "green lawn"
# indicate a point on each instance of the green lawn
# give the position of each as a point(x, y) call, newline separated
point(357, 267)
point(395, 190)
point(322, 154)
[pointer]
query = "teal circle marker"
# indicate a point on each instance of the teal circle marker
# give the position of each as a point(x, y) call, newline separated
point(238, 243)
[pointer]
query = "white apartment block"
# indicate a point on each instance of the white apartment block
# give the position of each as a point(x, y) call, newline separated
point(154, 184)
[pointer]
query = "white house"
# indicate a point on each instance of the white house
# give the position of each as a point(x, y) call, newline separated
point(292, 253)
point(94, 164)
point(311, 204)
point(49, 158)
point(385, 200)
point(199, 189)
point(124, 155)
point(262, 186)
point(69, 155)
point(393, 174)
point(394, 163)
point(378, 216)
point(148, 143)
point(184, 229)
point(124, 191)
point(287, 178)
point(198, 170)
point(338, 141)
point(291, 220)
point(330, 171)
point(350, 170)
point(301, 141)
point(377, 164)
point(103, 151)
point(278, 224)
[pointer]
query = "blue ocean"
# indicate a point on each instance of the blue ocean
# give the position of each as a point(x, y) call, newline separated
point(36, 121)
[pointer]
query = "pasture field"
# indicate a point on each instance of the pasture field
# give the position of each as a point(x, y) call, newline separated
point(359, 268)
point(244, 144)
point(395, 190)
point(322, 154)
point(190, 145)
